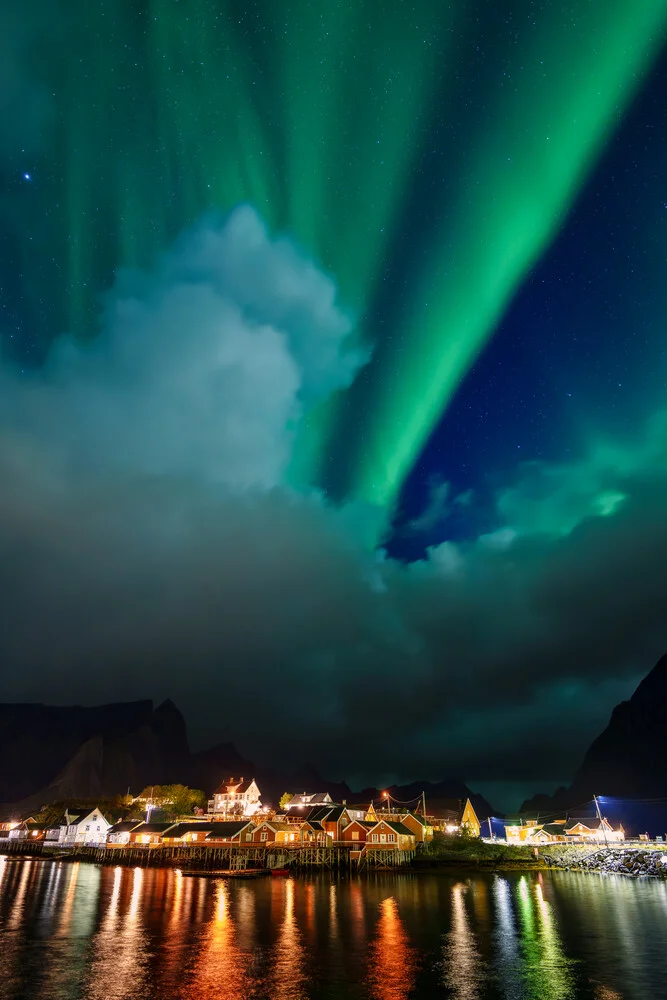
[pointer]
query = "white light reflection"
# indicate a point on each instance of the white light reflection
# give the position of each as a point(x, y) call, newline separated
point(289, 977)
point(463, 970)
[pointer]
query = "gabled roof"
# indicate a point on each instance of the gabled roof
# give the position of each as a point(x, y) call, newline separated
point(420, 819)
point(590, 822)
point(331, 813)
point(125, 826)
point(396, 827)
point(38, 826)
point(278, 827)
point(180, 829)
point(309, 799)
point(314, 824)
point(556, 829)
point(239, 787)
point(152, 827)
point(85, 815)
point(227, 830)
point(55, 824)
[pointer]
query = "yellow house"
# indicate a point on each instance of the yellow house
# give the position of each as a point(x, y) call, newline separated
point(469, 821)
point(371, 815)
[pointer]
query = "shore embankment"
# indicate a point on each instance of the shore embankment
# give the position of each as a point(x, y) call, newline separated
point(632, 861)
point(466, 853)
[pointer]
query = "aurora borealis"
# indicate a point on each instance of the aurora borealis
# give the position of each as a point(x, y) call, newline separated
point(473, 191)
point(323, 119)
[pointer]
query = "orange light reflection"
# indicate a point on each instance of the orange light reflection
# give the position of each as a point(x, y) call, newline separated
point(392, 960)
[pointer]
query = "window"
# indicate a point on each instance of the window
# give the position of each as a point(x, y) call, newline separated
point(374, 838)
point(87, 829)
point(263, 835)
point(355, 835)
point(248, 836)
point(391, 838)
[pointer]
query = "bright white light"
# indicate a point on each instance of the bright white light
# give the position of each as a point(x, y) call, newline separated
point(27, 177)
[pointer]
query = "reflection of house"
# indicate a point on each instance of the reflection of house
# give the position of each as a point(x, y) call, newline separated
point(387, 833)
point(149, 833)
point(307, 800)
point(273, 832)
point(88, 829)
point(236, 797)
point(119, 833)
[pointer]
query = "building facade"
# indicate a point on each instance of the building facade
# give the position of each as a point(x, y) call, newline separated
point(236, 798)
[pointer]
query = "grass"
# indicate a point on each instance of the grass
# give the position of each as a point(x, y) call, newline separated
point(470, 851)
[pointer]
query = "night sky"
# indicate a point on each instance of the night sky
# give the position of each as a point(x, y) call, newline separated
point(333, 374)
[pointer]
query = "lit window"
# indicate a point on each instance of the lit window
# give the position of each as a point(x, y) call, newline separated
point(355, 835)
point(248, 836)
point(374, 838)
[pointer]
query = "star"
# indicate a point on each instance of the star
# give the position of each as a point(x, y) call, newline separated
point(27, 177)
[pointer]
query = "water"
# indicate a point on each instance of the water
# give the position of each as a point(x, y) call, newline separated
point(70, 931)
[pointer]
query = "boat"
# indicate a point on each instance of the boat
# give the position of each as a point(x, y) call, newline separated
point(280, 872)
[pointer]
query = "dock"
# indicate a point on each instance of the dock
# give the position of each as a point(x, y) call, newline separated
point(220, 861)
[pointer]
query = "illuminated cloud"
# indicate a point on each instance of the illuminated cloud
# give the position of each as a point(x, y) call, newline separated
point(150, 545)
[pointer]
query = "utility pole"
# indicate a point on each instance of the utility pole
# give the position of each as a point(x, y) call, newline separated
point(604, 831)
point(424, 804)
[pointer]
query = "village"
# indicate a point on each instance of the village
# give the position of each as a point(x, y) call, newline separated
point(235, 816)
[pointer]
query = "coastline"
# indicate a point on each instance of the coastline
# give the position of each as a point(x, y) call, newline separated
point(469, 856)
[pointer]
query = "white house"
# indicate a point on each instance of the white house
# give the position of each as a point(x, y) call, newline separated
point(88, 829)
point(236, 797)
point(119, 833)
point(56, 832)
point(303, 800)
point(593, 830)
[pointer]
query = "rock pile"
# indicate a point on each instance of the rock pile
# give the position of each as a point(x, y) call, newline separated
point(635, 862)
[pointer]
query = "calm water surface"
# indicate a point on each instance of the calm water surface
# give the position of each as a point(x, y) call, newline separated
point(70, 931)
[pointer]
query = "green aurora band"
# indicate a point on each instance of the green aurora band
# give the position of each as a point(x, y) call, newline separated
point(321, 116)
point(544, 131)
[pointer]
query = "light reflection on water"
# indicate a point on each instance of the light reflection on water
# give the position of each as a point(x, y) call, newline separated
point(463, 971)
point(78, 932)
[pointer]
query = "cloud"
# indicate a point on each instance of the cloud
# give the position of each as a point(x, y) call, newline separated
point(204, 366)
point(150, 545)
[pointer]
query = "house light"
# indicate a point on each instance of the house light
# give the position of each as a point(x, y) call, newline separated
point(451, 828)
